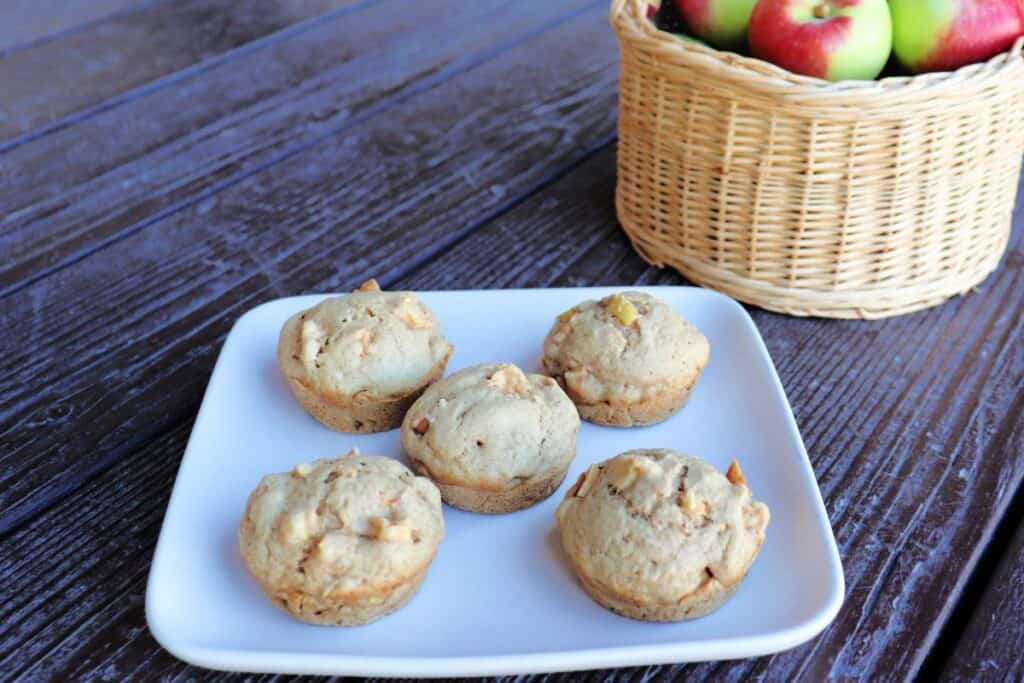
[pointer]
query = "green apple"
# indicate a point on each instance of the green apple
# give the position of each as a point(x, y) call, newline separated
point(942, 35)
point(722, 23)
point(835, 39)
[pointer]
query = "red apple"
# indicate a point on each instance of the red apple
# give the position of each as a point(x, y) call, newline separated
point(834, 39)
point(942, 35)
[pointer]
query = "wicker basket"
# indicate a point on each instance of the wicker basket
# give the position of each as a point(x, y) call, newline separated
point(846, 200)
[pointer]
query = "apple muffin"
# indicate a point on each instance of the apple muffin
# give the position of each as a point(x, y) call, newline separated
point(493, 438)
point(661, 536)
point(357, 362)
point(628, 359)
point(341, 541)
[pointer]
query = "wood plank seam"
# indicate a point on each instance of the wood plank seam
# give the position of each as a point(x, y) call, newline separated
point(181, 74)
point(43, 219)
point(77, 28)
point(415, 88)
point(956, 315)
point(60, 78)
point(534, 187)
point(900, 396)
point(563, 172)
point(943, 658)
point(11, 520)
point(982, 629)
point(388, 278)
point(884, 435)
point(114, 599)
point(1005, 345)
point(992, 544)
point(729, 670)
point(101, 558)
point(901, 541)
point(955, 455)
point(1007, 427)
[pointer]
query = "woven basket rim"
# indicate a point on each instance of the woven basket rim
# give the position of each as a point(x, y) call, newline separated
point(629, 19)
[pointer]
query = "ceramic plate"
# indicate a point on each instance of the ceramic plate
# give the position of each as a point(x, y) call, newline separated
point(500, 597)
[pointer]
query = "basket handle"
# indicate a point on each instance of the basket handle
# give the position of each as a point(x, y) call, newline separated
point(638, 7)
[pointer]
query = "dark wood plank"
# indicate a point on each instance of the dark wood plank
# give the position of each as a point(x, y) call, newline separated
point(96, 182)
point(914, 426)
point(384, 196)
point(991, 645)
point(95, 570)
point(96, 631)
point(32, 22)
point(84, 619)
point(915, 447)
point(48, 81)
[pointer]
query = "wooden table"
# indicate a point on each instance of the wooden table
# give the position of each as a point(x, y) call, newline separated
point(167, 165)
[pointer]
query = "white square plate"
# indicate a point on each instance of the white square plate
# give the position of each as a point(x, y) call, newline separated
point(500, 597)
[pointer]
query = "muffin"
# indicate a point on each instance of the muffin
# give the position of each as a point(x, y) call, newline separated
point(341, 541)
point(628, 359)
point(492, 438)
point(357, 362)
point(661, 536)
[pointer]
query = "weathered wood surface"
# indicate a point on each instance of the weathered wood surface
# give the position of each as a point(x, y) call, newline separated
point(159, 153)
point(335, 209)
point(916, 448)
point(482, 160)
point(992, 645)
point(31, 22)
point(51, 84)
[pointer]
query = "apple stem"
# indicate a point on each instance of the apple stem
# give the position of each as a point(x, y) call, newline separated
point(820, 11)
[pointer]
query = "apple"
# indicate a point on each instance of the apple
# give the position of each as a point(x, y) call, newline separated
point(722, 23)
point(835, 39)
point(683, 38)
point(942, 35)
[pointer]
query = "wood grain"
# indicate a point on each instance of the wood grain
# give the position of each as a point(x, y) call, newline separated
point(32, 22)
point(84, 616)
point(88, 623)
point(304, 146)
point(385, 196)
point(73, 580)
point(912, 425)
point(897, 562)
point(139, 161)
point(45, 83)
point(991, 645)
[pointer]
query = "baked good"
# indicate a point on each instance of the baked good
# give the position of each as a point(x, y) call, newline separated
point(661, 536)
point(628, 359)
point(357, 362)
point(492, 438)
point(341, 541)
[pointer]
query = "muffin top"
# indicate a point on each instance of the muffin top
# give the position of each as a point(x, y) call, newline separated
point(368, 342)
point(656, 526)
point(341, 528)
point(491, 427)
point(625, 347)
